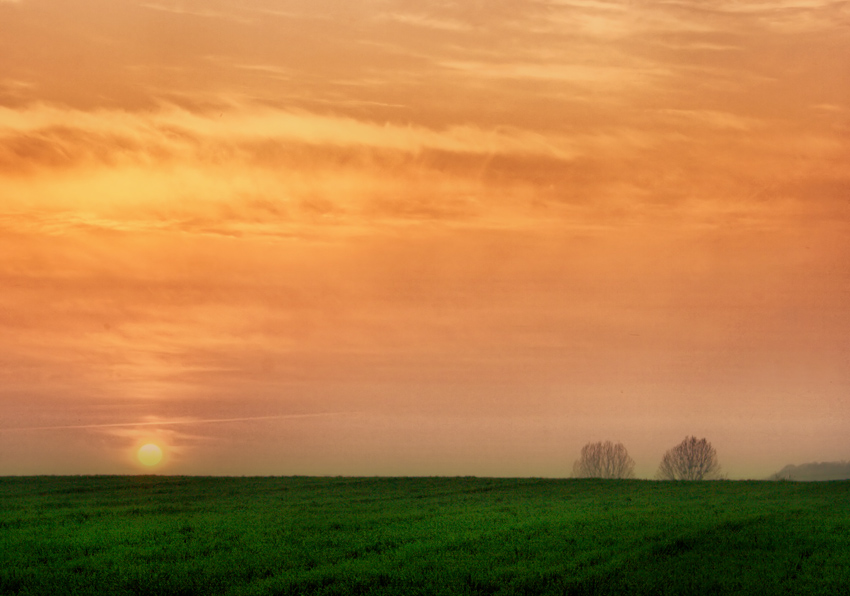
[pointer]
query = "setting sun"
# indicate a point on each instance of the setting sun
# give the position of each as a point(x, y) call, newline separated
point(150, 454)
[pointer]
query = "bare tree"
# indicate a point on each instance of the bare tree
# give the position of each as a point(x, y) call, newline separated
point(691, 459)
point(604, 460)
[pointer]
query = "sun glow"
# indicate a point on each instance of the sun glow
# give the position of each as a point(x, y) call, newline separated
point(150, 454)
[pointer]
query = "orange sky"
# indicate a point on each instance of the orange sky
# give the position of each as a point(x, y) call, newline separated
point(396, 237)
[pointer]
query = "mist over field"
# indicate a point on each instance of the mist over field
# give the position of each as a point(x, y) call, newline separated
point(834, 470)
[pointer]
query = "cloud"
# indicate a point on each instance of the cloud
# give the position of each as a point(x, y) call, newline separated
point(246, 171)
point(193, 8)
point(791, 16)
point(713, 119)
point(428, 22)
point(598, 77)
point(263, 172)
point(14, 86)
point(171, 422)
point(42, 135)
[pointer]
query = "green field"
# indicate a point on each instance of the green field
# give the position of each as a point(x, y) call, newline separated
point(193, 535)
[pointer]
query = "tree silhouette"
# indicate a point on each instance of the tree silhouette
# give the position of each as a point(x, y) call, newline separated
point(604, 460)
point(691, 459)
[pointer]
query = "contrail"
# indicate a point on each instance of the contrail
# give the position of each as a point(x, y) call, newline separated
point(174, 422)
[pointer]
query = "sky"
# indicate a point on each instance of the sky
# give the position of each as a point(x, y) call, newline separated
point(394, 237)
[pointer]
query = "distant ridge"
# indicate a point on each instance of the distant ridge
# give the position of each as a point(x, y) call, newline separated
point(828, 470)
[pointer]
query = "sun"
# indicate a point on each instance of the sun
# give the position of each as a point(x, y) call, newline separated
point(149, 454)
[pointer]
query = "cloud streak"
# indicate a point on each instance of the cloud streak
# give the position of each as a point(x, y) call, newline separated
point(195, 10)
point(171, 128)
point(187, 421)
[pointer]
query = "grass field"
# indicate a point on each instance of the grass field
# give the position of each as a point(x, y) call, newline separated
point(245, 536)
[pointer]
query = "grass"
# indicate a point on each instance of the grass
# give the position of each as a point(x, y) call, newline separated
point(267, 536)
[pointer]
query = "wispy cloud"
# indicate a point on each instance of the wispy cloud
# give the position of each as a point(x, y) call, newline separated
point(599, 77)
point(713, 119)
point(172, 422)
point(429, 22)
point(783, 16)
point(254, 171)
point(14, 86)
point(43, 134)
point(195, 9)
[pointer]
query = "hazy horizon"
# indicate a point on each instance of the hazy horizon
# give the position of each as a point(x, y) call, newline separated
point(385, 238)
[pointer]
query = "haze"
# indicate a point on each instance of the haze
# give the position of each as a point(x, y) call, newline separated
point(386, 237)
